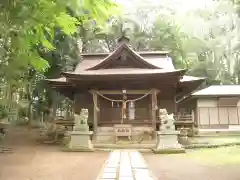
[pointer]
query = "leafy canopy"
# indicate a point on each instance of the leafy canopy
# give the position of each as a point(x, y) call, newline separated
point(26, 24)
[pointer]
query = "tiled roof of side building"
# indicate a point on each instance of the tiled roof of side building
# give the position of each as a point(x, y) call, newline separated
point(219, 90)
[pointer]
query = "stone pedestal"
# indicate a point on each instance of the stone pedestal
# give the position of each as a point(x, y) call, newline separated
point(183, 136)
point(78, 141)
point(167, 143)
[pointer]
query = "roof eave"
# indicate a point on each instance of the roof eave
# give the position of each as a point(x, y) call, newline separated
point(215, 95)
point(82, 75)
point(58, 83)
point(189, 87)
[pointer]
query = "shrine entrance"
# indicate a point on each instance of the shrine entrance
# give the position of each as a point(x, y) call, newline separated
point(125, 113)
point(121, 83)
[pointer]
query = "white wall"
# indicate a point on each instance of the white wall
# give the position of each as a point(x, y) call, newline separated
point(207, 102)
point(209, 113)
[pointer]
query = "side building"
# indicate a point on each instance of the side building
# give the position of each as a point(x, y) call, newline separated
point(215, 107)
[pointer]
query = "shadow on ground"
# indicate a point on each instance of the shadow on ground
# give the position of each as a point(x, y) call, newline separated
point(33, 161)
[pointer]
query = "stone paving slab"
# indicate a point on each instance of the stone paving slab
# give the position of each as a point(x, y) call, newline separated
point(125, 165)
point(109, 170)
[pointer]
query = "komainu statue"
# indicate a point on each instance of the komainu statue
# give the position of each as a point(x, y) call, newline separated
point(80, 138)
point(167, 137)
point(81, 121)
point(167, 121)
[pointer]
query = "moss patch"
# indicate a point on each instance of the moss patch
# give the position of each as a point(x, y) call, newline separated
point(217, 139)
point(169, 151)
point(212, 142)
point(217, 156)
point(66, 149)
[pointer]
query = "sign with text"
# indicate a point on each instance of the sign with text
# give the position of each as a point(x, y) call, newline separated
point(123, 129)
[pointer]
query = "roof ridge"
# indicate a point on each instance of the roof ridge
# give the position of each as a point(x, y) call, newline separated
point(138, 52)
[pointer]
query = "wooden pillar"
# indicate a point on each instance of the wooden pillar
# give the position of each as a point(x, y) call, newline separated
point(154, 109)
point(175, 106)
point(95, 112)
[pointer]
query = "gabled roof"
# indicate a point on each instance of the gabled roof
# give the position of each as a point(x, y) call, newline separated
point(219, 90)
point(120, 50)
point(126, 65)
point(158, 59)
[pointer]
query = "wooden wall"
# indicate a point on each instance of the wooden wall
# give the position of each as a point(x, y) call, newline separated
point(166, 104)
point(109, 113)
point(112, 112)
point(212, 114)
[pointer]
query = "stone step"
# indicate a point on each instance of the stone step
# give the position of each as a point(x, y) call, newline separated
point(124, 146)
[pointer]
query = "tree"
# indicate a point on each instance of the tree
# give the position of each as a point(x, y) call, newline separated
point(30, 28)
point(29, 23)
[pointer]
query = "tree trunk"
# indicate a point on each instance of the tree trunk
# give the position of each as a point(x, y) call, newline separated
point(29, 98)
point(84, 39)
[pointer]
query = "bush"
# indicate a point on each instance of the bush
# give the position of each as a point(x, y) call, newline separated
point(3, 112)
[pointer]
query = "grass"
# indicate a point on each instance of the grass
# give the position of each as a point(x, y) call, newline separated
point(215, 140)
point(216, 156)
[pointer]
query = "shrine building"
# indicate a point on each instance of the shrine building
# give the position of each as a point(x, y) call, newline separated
point(125, 87)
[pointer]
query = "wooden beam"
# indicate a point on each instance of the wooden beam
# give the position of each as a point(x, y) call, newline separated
point(175, 105)
point(144, 91)
point(95, 112)
point(154, 109)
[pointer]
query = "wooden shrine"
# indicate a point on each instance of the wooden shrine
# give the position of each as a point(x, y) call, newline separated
point(125, 88)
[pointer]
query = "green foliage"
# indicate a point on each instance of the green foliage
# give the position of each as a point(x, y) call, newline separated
point(39, 38)
point(48, 37)
point(25, 24)
point(3, 112)
point(167, 36)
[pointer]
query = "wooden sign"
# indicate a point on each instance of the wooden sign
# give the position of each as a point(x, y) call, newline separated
point(123, 129)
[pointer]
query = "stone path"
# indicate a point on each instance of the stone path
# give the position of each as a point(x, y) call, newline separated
point(125, 165)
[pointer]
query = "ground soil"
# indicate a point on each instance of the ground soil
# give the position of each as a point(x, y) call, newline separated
point(33, 161)
point(172, 167)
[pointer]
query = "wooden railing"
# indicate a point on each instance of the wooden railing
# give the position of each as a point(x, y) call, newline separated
point(184, 118)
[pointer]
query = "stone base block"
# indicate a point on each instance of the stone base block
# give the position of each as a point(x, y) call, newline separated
point(104, 137)
point(167, 143)
point(78, 141)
